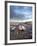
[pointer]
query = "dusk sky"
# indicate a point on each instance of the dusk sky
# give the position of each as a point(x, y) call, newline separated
point(20, 12)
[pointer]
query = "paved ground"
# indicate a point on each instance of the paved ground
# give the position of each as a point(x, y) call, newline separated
point(20, 35)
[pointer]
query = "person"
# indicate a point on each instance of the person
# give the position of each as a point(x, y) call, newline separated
point(23, 28)
point(20, 27)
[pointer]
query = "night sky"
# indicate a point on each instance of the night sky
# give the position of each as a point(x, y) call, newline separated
point(20, 12)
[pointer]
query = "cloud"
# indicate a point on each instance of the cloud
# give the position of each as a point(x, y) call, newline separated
point(20, 12)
